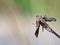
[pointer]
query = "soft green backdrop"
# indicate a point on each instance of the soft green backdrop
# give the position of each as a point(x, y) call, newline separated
point(33, 7)
point(48, 7)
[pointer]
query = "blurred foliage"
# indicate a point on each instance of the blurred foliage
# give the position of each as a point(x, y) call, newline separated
point(26, 6)
point(34, 7)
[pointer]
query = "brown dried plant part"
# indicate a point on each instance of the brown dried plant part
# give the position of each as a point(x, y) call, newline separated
point(41, 20)
point(46, 26)
point(37, 30)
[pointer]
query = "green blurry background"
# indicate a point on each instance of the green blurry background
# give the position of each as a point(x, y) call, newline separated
point(33, 7)
point(48, 7)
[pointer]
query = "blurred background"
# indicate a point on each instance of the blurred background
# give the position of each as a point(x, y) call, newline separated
point(17, 16)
